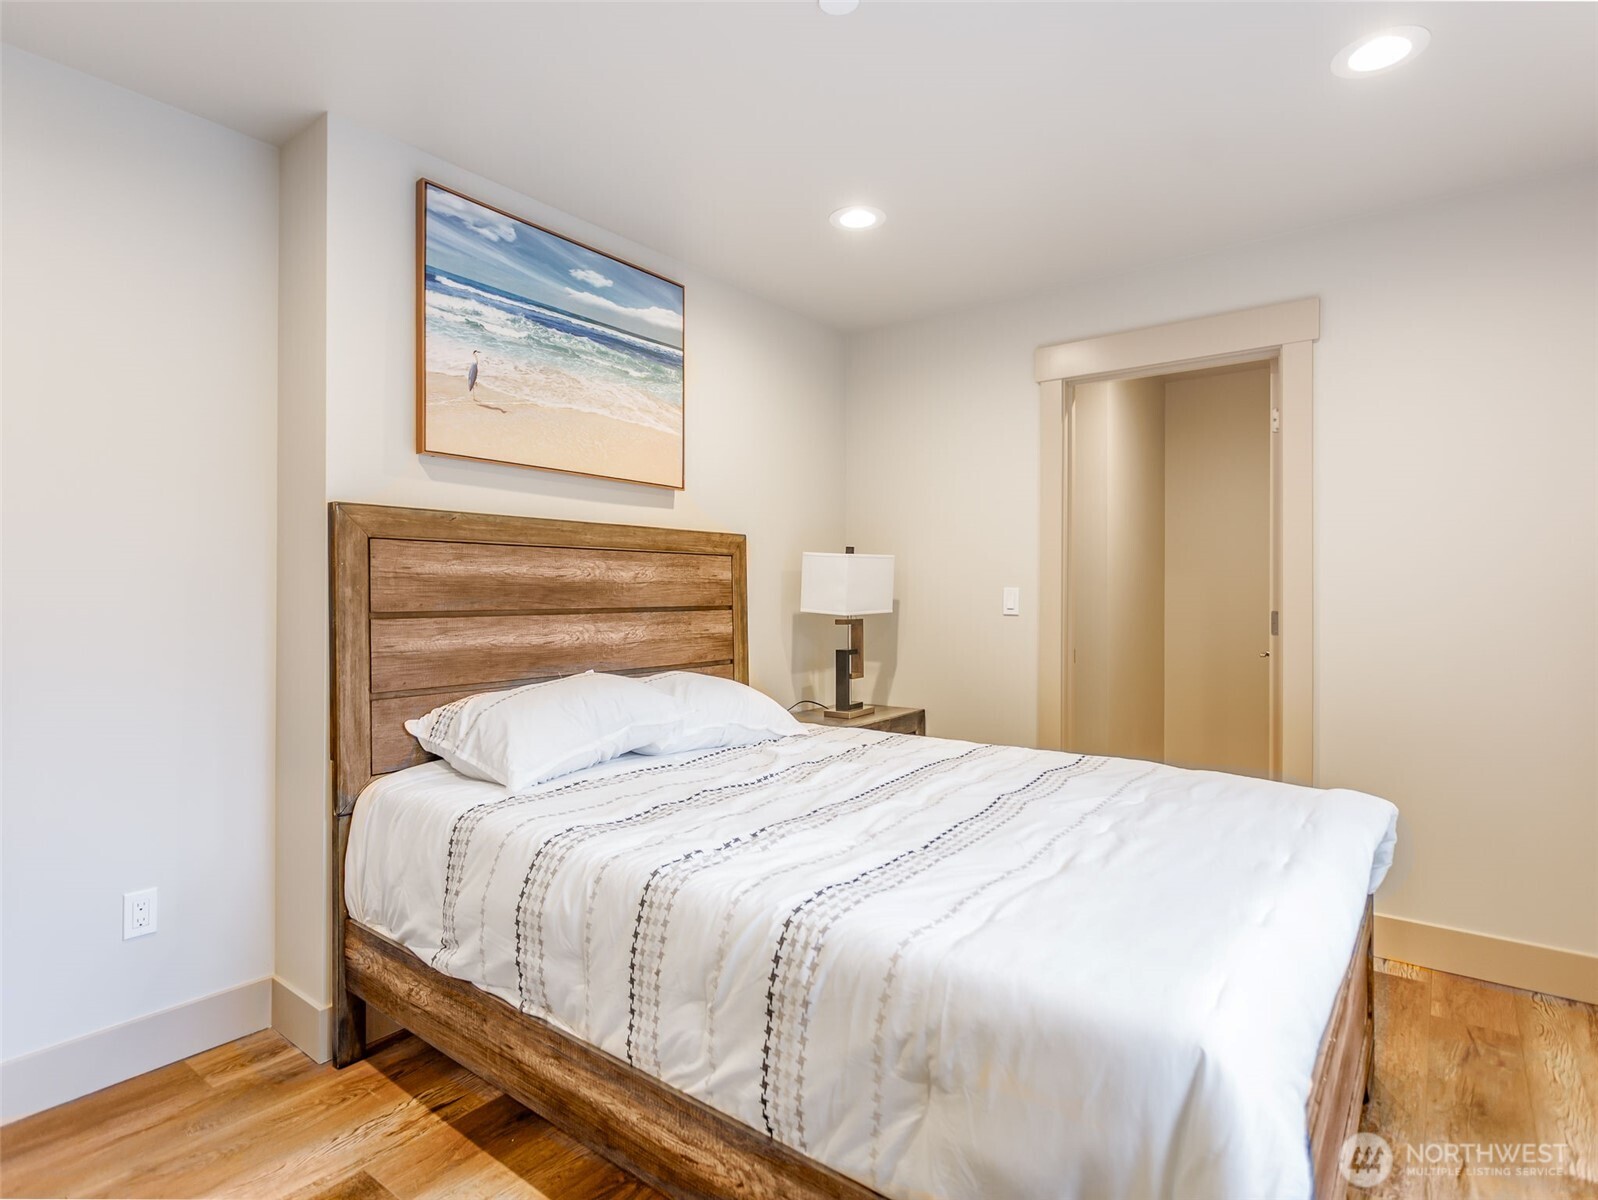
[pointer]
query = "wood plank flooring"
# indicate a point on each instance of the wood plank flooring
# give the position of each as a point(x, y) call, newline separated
point(1467, 1063)
point(1456, 1061)
point(257, 1120)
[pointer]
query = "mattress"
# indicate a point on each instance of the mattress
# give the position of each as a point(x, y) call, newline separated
point(944, 969)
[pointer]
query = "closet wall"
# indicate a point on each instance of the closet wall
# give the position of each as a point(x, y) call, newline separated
point(1168, 559)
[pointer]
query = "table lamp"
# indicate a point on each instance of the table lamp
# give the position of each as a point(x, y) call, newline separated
point(847, 586)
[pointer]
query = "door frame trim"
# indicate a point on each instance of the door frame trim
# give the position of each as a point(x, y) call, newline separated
point(1285, 333)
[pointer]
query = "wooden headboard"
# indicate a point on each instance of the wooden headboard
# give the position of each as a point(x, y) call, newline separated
point(432, 606)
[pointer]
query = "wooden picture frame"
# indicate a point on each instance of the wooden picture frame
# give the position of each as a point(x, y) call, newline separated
point(537, 350)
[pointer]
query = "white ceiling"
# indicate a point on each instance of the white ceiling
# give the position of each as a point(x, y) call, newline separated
point(1013, 146)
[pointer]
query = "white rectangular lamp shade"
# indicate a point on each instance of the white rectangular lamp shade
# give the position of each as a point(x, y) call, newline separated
point(846, 585)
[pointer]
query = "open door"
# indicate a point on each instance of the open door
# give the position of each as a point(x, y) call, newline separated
point(1273, 636)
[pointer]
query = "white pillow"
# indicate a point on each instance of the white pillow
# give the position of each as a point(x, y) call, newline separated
point(716, 712)
point(532, 734)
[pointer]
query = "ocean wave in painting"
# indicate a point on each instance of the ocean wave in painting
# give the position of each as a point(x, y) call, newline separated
point(534, 354)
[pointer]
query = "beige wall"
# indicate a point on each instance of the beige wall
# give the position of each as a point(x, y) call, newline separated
point(1089, 640)
point(1217, 571)
point(764, 418)
point(1455, 524)
point(1117, 569)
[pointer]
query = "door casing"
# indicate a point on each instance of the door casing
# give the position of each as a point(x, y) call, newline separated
point(1281, 334)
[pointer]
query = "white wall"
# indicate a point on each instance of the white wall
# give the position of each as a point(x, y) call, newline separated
point(764, 419)
point(1455, 535)
point(139, 389)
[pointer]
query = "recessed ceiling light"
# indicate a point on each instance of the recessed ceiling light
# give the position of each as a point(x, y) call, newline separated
point(1380, 51)
point(858, 216)
point(839, 8)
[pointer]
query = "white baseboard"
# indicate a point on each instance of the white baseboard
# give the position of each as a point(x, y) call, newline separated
point(302, 1021)
point(1558, 972)
point(30, 1083)
point(310, 1025)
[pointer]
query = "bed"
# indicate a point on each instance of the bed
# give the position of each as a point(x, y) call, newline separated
point(842, 963)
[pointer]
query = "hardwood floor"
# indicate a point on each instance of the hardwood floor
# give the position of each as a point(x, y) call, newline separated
point(257, 1119)
point(1457, 1061)
point(1463, 1063)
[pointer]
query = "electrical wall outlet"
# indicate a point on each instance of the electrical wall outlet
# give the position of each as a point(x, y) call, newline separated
point(138, 913)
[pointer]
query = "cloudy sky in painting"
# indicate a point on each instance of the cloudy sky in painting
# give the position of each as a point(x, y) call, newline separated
point(476, 243)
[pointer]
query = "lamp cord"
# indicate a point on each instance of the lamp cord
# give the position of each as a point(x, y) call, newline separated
point(797, 703)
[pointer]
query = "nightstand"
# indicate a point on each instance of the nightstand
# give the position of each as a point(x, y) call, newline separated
point(881, 718)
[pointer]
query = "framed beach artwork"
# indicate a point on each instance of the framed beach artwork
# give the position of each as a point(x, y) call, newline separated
point(538, 351)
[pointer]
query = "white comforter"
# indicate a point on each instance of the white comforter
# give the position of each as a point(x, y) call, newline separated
point(945, 969)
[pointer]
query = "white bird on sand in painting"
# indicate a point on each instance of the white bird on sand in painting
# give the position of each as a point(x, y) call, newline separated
point(471, 385)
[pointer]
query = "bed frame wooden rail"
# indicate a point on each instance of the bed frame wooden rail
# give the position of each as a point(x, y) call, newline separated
point(430, 606)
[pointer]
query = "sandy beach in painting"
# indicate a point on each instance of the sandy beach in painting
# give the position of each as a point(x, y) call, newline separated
point(566, 439)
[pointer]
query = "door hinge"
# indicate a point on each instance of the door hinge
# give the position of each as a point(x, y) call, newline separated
point(1276, 420)
point(1276, 626)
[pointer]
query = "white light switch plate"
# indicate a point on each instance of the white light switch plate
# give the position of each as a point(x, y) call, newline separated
point(1012, 602)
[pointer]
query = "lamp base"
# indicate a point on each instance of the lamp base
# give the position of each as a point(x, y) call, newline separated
point(845, 714)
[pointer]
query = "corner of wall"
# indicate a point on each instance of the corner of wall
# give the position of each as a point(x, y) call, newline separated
point(302, 775)
point(302, 1021)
